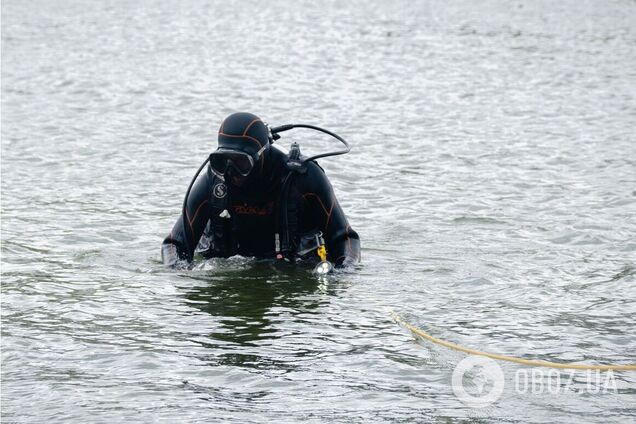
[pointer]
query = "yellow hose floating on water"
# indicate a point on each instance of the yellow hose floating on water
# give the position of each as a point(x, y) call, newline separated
point(530, 362)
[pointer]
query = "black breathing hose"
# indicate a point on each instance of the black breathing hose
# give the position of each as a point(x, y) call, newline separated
point(276, 130)
point(185, 208)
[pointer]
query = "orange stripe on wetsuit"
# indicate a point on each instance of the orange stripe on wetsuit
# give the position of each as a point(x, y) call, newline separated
point(191, 221)
point(327, 212)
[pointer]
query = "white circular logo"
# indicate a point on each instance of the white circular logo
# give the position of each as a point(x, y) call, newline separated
point(483, 378)
point(219, 191)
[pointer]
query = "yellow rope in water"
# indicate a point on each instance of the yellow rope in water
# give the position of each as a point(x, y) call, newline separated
point(530, 362)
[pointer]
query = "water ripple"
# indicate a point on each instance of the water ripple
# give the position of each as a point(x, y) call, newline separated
point(491, 179)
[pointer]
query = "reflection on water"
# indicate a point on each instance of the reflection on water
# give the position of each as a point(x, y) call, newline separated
point(247, 304)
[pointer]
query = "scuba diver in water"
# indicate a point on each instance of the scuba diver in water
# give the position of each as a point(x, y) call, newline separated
point(255, 200)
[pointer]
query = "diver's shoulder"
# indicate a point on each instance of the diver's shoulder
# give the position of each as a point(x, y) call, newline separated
point(314, 168)
point(314, 178)
point(279, 153)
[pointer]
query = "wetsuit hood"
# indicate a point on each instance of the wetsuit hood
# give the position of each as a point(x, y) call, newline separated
point(243, 132)
point(247, 133)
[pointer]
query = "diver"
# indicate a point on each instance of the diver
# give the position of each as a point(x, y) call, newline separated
point(255, 200)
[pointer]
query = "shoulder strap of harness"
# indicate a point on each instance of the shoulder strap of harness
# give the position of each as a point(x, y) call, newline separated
point(287, 219)
point(220, 219)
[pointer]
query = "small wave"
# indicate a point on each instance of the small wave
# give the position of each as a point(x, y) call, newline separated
point(476, 220)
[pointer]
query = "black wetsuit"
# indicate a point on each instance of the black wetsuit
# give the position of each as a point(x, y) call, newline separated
point(250, 219)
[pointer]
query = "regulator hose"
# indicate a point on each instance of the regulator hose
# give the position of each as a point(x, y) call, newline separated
point(184, 209)
point(282, 128)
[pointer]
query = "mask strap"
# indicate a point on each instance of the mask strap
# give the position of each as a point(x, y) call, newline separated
point(258, 154)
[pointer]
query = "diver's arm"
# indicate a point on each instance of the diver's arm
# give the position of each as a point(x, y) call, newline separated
point(342, 242)
point(177, 246)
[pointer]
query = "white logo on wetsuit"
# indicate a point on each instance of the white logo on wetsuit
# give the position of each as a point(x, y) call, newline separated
point(219, 191)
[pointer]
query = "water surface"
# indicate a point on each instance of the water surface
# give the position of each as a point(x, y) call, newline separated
point(492, 181)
